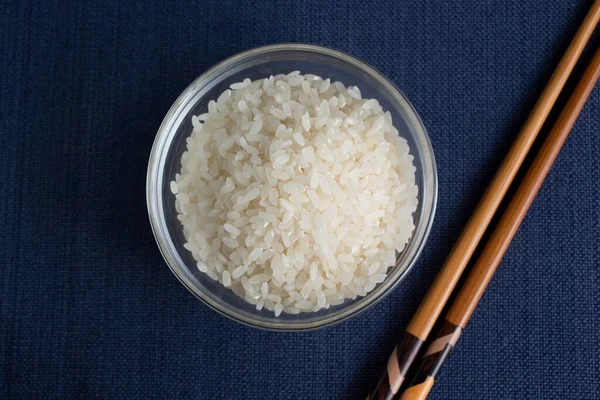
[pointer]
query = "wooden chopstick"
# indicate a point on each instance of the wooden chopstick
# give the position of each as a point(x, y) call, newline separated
point(430, 308)
point(478, 279)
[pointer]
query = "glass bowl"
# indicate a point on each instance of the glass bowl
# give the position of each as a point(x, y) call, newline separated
point(256, 64)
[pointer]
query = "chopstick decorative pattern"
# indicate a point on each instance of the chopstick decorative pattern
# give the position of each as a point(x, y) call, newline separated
point(432, 360)
point(397, 367)
point(435, 355)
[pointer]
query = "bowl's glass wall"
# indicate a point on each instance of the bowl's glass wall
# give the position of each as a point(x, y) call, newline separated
point(256, 64)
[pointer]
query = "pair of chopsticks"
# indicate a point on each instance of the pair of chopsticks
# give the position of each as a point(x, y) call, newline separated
point(408, 351)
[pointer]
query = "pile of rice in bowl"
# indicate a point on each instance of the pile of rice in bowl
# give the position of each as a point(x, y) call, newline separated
point(295, 192)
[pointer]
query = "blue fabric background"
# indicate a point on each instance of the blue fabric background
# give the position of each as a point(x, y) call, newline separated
point(88, 309)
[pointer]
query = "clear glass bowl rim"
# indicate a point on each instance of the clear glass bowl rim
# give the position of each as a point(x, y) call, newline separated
point(154, 197)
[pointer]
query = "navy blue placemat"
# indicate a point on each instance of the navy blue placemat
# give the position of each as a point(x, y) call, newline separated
point(88, 309)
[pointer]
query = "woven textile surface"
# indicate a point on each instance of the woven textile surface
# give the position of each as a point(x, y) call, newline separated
point(88, 308)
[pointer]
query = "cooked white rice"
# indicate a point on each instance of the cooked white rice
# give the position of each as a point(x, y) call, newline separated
point(295, 192)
